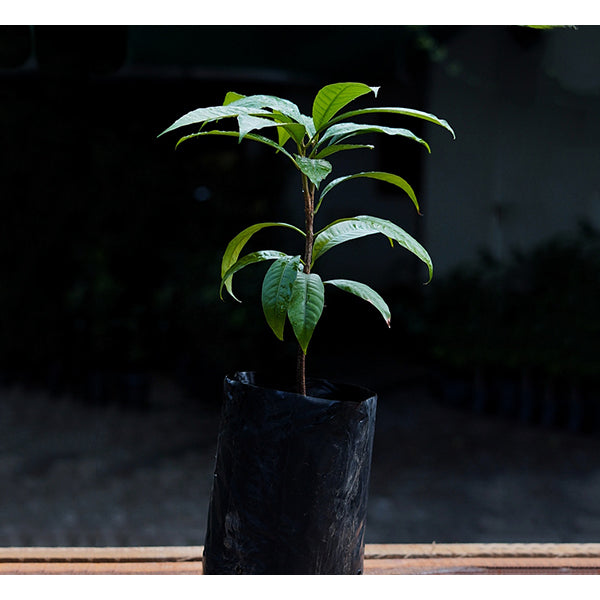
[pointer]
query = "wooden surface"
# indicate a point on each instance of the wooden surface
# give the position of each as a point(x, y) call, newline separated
point(380, 559)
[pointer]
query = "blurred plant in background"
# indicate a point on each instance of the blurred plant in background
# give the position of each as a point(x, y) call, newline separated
point(532, 320)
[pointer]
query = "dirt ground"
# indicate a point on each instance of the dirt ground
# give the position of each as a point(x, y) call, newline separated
point(80, 475)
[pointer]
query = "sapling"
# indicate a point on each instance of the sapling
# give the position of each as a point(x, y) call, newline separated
point(291, 289)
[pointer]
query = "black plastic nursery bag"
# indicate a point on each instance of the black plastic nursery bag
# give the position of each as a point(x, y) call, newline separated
point(291, 479)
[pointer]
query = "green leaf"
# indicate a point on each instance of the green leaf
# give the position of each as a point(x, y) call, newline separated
point(253, 257)
point(292, 129)
point(315, 169)
point(277, 291)
point(366, 293)
point(409, 112)
point(285, 107)
point(332, 98)
point(381, 176)
point(272, 102)
point(232, 97)
point(248, 123)
point(213, 113)
point(356, 227)
point(306, 306)
point(342, 131)
point(339, 147)
point(235, 134)
point(236, 245)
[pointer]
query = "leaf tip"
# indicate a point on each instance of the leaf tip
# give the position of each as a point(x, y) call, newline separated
point(230, 291)
point(446, 125)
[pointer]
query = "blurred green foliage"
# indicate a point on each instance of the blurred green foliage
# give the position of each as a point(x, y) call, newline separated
point(537, 311)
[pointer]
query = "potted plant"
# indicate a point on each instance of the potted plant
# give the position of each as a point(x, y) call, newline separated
point(293, 458)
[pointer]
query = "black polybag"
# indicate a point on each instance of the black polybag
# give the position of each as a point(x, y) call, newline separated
point(291, 478)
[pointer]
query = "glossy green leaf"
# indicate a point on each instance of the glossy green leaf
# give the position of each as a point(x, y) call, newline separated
point(306, 306)
point(332, 98)
point(249, 259)
point(366, 293)
point(235, 134)
point(272, 102)
point(236, 245)
point(213, 113)
point(316, 169)
point(342, 131)
point(381, 176)
point(409, 112)
point(277, 291)
point(285, 107)
point(356, 227)
point(284, 112)
point(291, 129)
point(248, 123)
point(339, 147)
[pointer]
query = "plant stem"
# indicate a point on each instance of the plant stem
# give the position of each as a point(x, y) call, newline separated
point(301, 372)
point(308, 191)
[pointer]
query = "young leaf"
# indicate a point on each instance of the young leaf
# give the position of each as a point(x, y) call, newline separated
point(315, 169)
point(306, 306)
point(343, 131)
point(236, 245)
point(249, 259)
point(356, 227)
point(381, 176)
point(332, 98)
point(409, 112)
point(366, 293)
point(232, 97)
point(277, 291)
point(291, 129)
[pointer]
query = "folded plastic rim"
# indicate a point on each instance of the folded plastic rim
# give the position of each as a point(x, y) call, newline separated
point(317, 389)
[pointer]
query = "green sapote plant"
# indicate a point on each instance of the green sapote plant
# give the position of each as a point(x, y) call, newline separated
point(292, 289)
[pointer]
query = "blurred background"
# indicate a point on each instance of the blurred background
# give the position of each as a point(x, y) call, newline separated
point(113, 340)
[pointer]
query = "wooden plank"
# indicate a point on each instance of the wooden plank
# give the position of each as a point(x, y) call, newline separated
point(99, 554)
point(482, 566)
point(480, 550)
point(101, 568)
point(372, 567)
point(480, 559)
point(380, 559)
point(372, 551)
